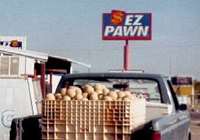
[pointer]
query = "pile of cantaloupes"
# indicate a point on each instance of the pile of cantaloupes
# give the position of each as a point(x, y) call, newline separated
point(89, 92)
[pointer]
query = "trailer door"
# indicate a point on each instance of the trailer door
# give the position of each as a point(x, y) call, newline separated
point(15, 101)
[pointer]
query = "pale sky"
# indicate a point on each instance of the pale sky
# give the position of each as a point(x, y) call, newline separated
point(73, 29)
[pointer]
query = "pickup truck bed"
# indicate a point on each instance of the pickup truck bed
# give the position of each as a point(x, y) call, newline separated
point(172, 124)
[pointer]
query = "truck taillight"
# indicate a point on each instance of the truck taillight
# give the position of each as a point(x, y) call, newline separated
point(156, 135)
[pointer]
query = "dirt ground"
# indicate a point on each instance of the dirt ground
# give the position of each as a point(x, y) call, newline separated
point(195, 126)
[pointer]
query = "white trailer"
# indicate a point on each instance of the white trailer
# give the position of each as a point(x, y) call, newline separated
point(23, 81)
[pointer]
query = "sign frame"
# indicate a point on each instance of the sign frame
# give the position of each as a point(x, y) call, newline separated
point(5, 42)
point(136, 38)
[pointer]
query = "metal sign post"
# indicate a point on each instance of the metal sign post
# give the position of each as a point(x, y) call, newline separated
point(126, 56)
point(120, 25)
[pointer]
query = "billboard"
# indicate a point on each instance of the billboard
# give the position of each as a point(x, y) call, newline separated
point(119, 25)
point(183, 85)
point(13, 42)
point(181, 80)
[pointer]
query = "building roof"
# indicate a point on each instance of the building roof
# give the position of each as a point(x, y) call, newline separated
point(71, 60)
point(42, 57)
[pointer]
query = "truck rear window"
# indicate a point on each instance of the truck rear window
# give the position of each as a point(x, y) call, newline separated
point(147, 88)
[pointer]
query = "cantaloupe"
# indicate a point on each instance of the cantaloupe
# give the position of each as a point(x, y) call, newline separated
point(85, 99)
point(63, 91)
point(121, 94)
point(96, 92)
point(78, 91)
point(88, 88)
point(108, 98)
point(66, 98)
point(50, 96)
point(106, 91)
point(71, 92)
point(113, 95)
point(85, 94)
point(93, 96)
point(79, 96)
point(58, 96)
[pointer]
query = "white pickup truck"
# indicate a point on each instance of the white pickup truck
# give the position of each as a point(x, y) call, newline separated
point(166, 119)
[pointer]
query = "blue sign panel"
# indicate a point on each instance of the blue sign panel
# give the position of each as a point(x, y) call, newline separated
point(119, 25)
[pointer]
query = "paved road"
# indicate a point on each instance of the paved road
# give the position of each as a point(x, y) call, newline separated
point(195, 125)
